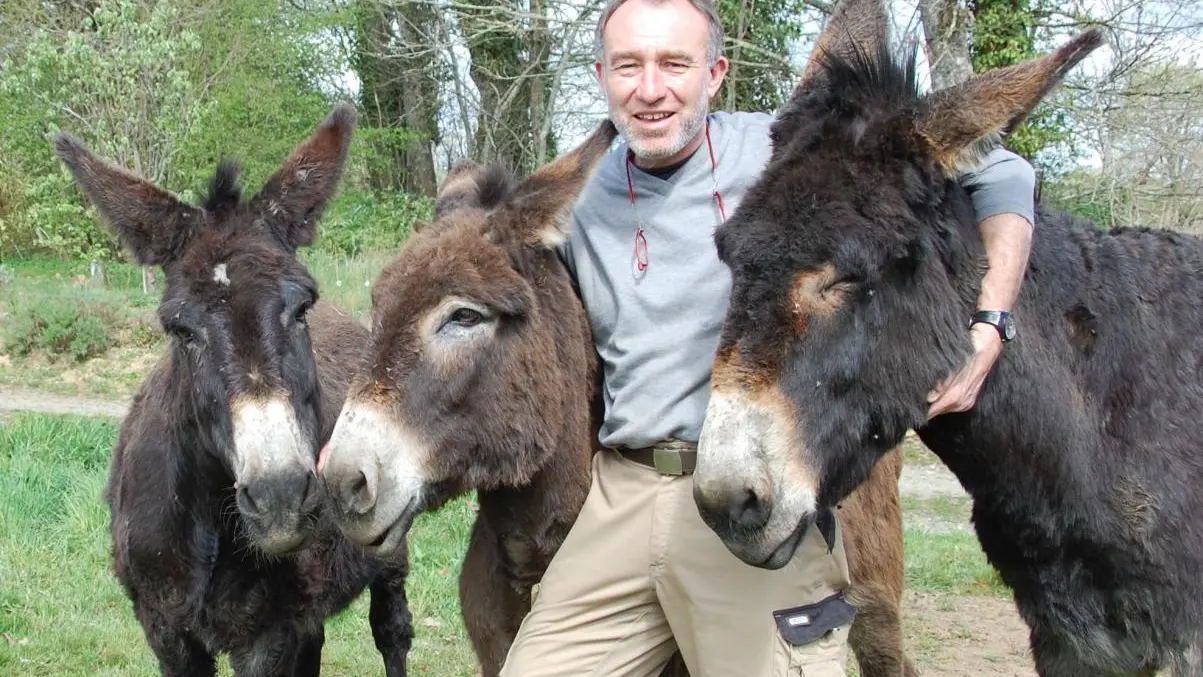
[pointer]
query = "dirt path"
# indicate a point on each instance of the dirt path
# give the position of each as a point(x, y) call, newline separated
point(23, 399)
point(961, 635)
point(929, 481)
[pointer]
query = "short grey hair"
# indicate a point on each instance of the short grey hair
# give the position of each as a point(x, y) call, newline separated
point(708, 8)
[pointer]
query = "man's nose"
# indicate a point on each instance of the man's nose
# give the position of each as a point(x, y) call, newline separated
point(651, 85)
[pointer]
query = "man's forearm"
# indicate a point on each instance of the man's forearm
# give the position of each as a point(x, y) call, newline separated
point(1008, 240)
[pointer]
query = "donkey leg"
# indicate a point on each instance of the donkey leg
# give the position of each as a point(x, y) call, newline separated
point(392, 624)
point(308, 662)
point(491, 608)
point(179, 653)
point(872, 523)
point(272, 653)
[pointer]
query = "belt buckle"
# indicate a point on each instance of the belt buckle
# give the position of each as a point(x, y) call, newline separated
point(667, 461)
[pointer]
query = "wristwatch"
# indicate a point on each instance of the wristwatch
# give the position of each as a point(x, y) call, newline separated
point(999, 319)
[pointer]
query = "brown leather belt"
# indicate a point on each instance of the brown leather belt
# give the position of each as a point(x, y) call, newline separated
point(671, 457)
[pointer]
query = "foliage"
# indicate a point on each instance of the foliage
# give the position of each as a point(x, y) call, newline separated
point(267, 88)
point(1078, 193)
point(59, 328)
point(164, 88)
point(758, 33)
point(360, 222)
point(118, 80)
point(1004, 34)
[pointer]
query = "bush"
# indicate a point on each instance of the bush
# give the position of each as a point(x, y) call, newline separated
point(58, 328)
point(360, 222)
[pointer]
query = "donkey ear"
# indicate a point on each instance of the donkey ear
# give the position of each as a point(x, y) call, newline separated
point(153, 224)
point(955, 121)
point(469, 185)
point(546, 197)
point(293, 199)
point(459, 189)
point(856, 27)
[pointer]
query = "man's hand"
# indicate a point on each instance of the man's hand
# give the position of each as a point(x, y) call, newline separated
point(959, 391)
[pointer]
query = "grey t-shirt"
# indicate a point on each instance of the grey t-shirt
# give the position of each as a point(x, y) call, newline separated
point(657, 331)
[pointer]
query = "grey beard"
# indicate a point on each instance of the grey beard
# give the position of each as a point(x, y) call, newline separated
point(690, 128)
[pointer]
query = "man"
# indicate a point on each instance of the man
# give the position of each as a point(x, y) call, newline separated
point(640, 575)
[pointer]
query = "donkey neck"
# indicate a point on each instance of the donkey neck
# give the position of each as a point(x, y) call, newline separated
point(532, 521)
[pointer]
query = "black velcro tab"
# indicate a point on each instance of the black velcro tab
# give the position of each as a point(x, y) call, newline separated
point(805, 624)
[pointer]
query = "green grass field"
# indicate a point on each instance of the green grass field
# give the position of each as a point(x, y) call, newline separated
point(62, 612)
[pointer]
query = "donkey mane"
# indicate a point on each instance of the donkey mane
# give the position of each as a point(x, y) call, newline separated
point(225, 191)
point(471, 185)
point(873, 73)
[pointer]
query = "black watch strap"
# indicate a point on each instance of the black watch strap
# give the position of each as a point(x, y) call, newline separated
point(999, 319)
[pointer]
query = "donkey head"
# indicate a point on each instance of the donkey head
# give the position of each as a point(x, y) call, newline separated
point(466, 385)
point(855, 262)
point(234, 306)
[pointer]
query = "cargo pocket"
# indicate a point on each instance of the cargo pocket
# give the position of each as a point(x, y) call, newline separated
point(814, 638)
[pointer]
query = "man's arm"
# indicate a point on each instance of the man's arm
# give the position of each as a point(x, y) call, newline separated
point(1003, 194)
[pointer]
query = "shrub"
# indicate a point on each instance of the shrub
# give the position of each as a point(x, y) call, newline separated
point(360, 222)
point(58, 328)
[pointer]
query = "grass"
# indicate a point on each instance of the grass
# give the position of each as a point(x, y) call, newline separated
point(346, 282)
point(63, 613)
point(914, 453)
point(950, 563)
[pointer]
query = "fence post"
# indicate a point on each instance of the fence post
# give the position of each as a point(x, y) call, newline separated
point(97, 274)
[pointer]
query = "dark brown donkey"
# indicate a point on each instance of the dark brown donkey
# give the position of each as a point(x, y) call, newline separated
point(218, 531)
point(1082, 452)
point(482, 374)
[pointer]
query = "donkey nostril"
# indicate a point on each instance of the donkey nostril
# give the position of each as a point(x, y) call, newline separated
point(748, 510)
point(358, 493)
point(246, 501)
point(312, 489)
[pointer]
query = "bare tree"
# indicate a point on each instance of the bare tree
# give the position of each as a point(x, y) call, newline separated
point(1139, 116)
point(946, 26)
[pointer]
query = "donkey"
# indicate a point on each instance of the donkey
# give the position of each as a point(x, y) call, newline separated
point(483, 376)
point(219, 537)
point(859, 250)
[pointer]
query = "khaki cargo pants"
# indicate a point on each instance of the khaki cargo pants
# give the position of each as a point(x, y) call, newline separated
point(640, 575)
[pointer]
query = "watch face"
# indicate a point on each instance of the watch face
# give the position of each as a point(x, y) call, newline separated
point(1009, 328)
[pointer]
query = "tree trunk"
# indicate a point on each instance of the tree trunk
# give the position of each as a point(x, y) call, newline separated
point(398, 72)
point(946, 28)
point(510, 52)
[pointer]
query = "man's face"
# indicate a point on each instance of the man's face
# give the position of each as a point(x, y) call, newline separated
point(657, 80)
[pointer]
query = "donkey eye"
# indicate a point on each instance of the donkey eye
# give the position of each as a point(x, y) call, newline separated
point(183, 334)
point(302, 314)
point(466, 317)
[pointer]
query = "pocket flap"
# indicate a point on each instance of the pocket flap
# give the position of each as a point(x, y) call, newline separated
point(805, 624)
